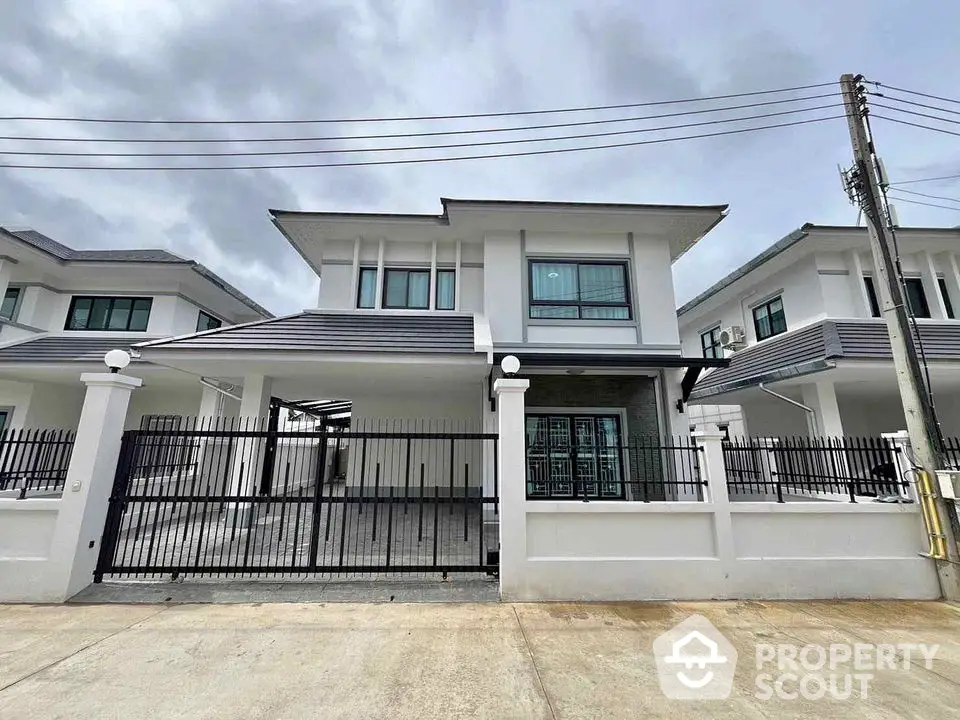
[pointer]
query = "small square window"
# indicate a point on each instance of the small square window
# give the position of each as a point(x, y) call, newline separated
point(710, 343)
point(406, 289)
point(206, 321)
point(769, 320)
point(8, 310)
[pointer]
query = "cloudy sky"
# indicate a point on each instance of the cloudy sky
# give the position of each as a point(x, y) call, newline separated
point(285, 59)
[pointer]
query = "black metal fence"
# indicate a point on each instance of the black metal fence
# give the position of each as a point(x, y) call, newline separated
point(34, 461)
point(246, 499)
point(646, 469)
point(803, 468)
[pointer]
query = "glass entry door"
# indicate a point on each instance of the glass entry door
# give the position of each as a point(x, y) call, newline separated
point(574, 456)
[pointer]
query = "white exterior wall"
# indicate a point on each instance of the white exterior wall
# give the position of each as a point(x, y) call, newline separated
point(26, 535)
point(162, 401)
point(503, 287)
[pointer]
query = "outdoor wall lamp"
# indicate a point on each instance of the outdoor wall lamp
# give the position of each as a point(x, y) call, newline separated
point(116, 360)
point(510, 365)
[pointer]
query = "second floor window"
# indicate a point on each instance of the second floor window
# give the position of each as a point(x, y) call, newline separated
point(406, 289)
point(710, 342)
point(916, 297)
point(446, 289)
point(207, 322)
point(367, 291)
point(109, 313)
point(769, 320)
point(579, 290)
point(9, 308)
point(872, 296)
point(947, 305)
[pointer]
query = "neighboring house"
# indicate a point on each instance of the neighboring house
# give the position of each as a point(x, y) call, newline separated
point(63, 309)
point(415, 312)
point(803, 320)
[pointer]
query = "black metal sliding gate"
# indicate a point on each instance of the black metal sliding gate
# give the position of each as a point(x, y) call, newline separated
point(229, 498)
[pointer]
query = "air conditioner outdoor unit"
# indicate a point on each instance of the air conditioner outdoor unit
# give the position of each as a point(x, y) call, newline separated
point(732, 337)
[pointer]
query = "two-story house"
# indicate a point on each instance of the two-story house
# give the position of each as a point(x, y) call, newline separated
point(802, 321)
point(63, 309)
point(415, 313)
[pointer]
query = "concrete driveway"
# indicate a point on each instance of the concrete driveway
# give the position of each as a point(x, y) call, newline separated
point(486, 660)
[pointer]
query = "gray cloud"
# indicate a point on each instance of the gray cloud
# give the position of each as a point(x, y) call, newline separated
point(299, 59)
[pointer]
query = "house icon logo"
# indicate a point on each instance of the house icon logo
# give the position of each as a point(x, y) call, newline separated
point(695, 661)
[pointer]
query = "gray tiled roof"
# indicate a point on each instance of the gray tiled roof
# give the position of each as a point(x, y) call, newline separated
point(66, 348)
point(336, 332)
point(67, 254)
point(812, 348)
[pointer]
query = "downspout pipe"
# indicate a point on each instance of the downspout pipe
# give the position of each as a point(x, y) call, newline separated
point(811, 414)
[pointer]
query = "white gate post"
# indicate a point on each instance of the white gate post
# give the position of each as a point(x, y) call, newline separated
point(86, 492)
point(512, 474)
point(710, 443)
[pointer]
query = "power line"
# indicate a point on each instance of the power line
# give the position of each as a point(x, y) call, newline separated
point(446, 146)
point(917, 125)
point(929, 179)
point(913, 92)
point(915, 113)
point(519, 113)
point(917, 202)
point(932, 197)
point(436, 133)
point(915, 104)
point(417, 161)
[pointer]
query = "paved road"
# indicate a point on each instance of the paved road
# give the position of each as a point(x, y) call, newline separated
point(395, 661)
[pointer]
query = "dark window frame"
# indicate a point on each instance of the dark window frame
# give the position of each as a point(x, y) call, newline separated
point(16, 302)
point(436, 298)
point(713, 334)
point(113, 300)
point(407, 306)
point(360, 288)
point(577, 485)
point(872, 298)
point(207, 315)
point(756, 321)
point(947, 304)
point(580, 304)
point(924, 308)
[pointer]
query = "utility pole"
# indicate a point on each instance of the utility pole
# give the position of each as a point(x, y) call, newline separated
point(863, 186)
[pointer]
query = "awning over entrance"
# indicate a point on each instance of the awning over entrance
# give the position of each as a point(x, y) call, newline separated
point(818, 347)
point(336, 354)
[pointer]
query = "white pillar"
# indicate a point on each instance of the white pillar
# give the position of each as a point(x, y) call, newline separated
point(822, 398)
point(211, 404)
point(931, 286)
point(248, 452)
point(715, 472)
point(512, 476)
point(83, 508)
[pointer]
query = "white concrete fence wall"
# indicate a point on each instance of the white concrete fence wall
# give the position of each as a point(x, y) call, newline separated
point(549, 550)
point(614, 550)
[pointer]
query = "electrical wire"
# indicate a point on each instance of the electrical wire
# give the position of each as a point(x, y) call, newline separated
point(912, 92)
point(929, 179)
point(916, 114)
point(435, 133)
point(420, 161)
point(519, 113)
point(932, 197)
point(915, 104)
point(445, 146)
point(917, 125)
point(918, 202)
